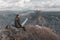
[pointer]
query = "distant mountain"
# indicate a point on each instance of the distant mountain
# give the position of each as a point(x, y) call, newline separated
point(35, 17)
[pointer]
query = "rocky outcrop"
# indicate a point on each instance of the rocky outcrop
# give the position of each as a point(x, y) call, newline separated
point(32, 33)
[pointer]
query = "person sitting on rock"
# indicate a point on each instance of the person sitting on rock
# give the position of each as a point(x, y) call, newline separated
point(17, 22)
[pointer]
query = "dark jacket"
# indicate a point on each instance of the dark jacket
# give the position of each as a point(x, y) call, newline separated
point(17, 22)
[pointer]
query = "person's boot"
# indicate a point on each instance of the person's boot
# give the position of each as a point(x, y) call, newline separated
point(24, 29)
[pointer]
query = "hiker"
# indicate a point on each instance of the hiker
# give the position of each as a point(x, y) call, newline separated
point(17, 22)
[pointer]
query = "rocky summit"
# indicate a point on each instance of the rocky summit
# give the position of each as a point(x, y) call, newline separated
point(33, 32)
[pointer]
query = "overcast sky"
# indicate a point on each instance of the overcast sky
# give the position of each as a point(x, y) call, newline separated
point(29, 4)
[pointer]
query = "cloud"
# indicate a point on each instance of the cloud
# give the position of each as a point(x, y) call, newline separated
point(12, 4)
point(31, 4)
